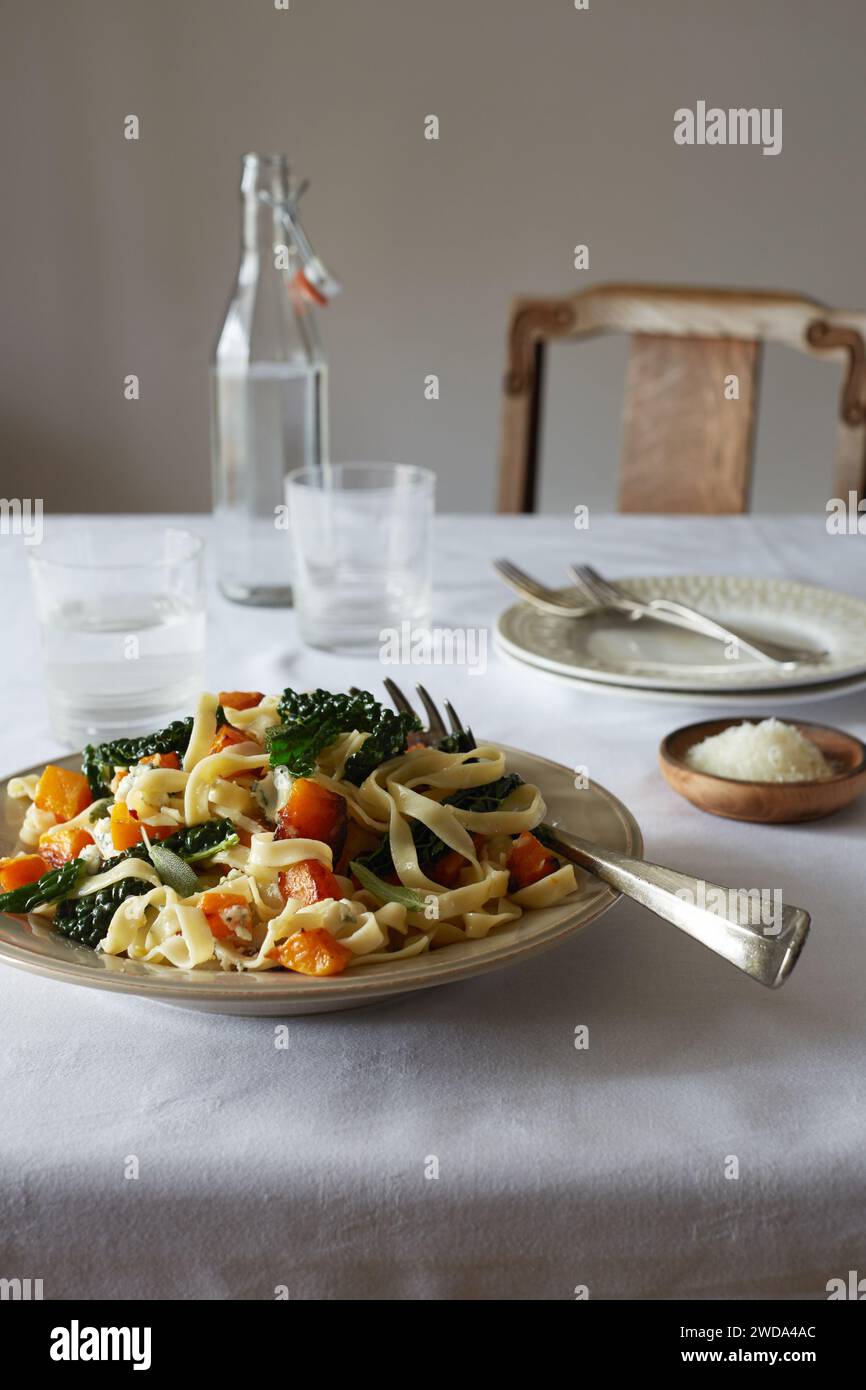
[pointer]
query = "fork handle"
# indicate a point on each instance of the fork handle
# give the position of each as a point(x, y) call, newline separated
point(734, 925)
point(677, 615)
point(774, 651)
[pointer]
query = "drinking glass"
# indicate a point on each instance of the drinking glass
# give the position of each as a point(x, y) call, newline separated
point(361, 545)
point(120, 607)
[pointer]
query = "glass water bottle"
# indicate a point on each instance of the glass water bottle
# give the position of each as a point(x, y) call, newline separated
point(269, 408)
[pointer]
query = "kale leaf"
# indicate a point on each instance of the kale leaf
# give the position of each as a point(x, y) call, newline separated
point(57, 883)
point(312, 721)
point(463, 742)
point(191, 843)
point(428, 845)
point(195, 842)
point(99, 760)
point(87, 919)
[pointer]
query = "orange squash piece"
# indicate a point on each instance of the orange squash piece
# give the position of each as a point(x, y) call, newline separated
point(25, 868)
point(314, 812)
point(446, 870)
point(529, 861)
point(59, 846)
point(314, 952)
point(160, 832)
point(125, 827)
point(309, 881)
point(245, 837)
point(162, 760)
point(240, 699)
point(226, 736)
point(64, 792)
point(215, 903)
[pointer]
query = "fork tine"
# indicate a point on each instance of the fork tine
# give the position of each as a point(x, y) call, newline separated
point(457, 725)
point(594, 579)
point(588, 583)
point(436, 724)
point(399, 700)
point(454, 719)
point(514, 574)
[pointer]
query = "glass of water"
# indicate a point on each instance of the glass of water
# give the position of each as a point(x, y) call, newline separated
point(121, 615)
point(361, 545)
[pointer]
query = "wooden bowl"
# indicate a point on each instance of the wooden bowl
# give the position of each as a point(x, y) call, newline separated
point(771, 802)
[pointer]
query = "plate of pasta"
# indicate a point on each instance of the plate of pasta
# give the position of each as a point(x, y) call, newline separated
point(290, 854)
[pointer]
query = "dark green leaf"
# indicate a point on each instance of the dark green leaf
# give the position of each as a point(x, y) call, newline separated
point(313, 721)
point(192, 843)
point(173, 870)
point(410, 898)
point(47, 889)
point(87, 919)
point(98, 761)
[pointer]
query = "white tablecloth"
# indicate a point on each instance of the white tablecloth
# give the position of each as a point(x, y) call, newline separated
point(304, 1167)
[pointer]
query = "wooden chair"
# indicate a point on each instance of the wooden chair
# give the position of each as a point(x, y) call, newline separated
point(688, 428)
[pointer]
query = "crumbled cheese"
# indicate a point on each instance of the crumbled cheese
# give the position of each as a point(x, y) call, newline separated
point(767, 752)
point(92, 858)
point(101, 832)
point(273, 791)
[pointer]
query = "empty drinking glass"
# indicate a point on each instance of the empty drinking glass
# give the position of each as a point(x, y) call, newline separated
point(120, 607)
point(361, 545)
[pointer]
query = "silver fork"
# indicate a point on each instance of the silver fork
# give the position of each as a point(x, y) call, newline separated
point(679, 615)
point(548, 600)
point(736, 932)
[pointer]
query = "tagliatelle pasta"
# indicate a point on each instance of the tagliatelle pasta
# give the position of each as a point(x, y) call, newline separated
point(314, 833)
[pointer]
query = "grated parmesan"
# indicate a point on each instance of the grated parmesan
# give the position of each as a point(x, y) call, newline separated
point(767, 752)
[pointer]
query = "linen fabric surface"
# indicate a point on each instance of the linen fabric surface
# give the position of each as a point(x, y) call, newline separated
point(457, 1143)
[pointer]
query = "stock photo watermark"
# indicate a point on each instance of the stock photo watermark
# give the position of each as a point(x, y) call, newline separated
point(851, 1287)
point(22, 516)
point(77, 1343)
point(435, 646)
point(759, 907)
point(846, 517)
point(21, 1290)
point(711, 125)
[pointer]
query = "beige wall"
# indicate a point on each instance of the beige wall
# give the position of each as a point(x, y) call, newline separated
point(556, 128)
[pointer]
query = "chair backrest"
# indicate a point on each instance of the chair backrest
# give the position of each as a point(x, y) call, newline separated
point(691, 388)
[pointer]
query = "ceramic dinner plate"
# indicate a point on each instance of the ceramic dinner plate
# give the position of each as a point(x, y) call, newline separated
point(646, 655)
point(592, 812)
point(731, 700)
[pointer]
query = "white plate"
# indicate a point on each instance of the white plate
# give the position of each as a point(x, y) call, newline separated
point(743, 700)
point(592, 812)
point(649, 655)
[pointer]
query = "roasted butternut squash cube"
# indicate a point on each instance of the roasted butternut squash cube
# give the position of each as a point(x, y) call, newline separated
point(225, 912)
point(529, 861)
point(24, 868)
point(226, 736)
point(314, 812)
point(59, 846)
point(125, 827)
point(62, 791)
point(162, 760)
point(309, 881)
point(240, 699)
point(314, 952)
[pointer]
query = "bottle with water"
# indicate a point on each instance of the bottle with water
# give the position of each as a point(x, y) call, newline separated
point(269, 410)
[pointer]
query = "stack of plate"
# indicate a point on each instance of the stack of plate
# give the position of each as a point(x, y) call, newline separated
point(613, 654)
